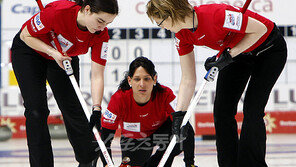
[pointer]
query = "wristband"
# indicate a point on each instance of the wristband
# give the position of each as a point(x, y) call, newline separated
point(96, 106)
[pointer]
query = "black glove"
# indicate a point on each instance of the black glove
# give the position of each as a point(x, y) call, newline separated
point(95, 120)
point(181, 133)
point(224, 60)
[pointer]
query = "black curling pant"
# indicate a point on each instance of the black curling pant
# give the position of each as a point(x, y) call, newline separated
point(261, 71)
point(31, 71)
point(140, 150)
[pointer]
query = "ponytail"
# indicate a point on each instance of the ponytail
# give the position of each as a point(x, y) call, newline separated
point(124, 85)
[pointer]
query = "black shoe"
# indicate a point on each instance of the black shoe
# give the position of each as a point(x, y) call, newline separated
point(91, 164)
point(191, 166)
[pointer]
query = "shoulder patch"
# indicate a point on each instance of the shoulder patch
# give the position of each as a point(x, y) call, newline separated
point(177, 43)
point(33, 25)
point(38, 23)
point(233, 20)
point(104, 50)
point(109, 115)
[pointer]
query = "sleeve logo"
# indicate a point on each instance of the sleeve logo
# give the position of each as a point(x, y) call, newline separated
point(177, 43)
point(33, 26)
point(233, 20)
point(109, 115)
point(104, 50)
point(38, 23)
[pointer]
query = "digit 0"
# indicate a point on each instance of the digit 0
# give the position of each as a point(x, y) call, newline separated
point(138, 52)
point(116, 53)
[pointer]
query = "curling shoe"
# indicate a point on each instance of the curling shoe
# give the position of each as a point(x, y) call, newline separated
point(91, 164)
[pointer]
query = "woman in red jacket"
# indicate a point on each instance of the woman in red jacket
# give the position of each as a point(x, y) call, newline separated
point(256, 55)
point(35, 59)
point(143, 108)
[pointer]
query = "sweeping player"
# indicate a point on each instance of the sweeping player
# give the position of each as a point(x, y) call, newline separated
point(78, 26)
point(142, 107)
point(256, 54)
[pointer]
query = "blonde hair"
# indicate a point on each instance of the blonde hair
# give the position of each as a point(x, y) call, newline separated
point(176, 9)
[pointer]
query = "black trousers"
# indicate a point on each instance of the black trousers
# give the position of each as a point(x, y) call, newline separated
point(140, 150)
point(32, 71)
point(260, 71)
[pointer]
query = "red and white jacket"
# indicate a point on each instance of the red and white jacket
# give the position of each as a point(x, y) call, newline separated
point(138, 121)
point(61, 16)
point(214, 23)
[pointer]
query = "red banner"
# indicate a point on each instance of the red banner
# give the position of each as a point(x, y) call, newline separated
point(276, 122)
point(17, 124)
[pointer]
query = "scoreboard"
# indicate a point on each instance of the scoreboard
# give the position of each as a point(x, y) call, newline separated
point(126, 44)
point(158, 45)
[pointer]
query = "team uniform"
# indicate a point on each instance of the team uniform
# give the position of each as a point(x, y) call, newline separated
point(33, 68)
point(261, 65)
point(61, 17)
point(144, 126)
